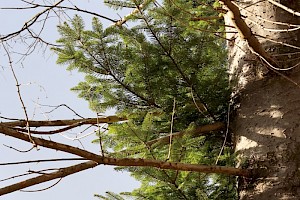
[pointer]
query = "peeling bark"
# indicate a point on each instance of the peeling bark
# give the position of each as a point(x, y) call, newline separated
point(266, 124)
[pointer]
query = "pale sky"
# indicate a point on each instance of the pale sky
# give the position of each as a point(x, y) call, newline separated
point(44, 82)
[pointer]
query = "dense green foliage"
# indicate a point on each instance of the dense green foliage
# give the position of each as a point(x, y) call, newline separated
point(162, 66)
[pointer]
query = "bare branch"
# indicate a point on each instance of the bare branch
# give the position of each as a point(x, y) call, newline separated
point(19, 93)
point(51, 132)
point(74, 9)
point(122, 162)
point(30, 22)
point(28, 173)
point(63, 172)
point(62, 105)
point(22, 123)
point(39, 161)
point(46, 143)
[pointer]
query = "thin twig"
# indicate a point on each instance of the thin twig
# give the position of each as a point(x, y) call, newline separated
point(226, 134)
point(30, 22)
point(21, 151)
point(100, 137)
point(79, 138)
point(266, 20)
point(278, 42)
point(68, 122)
point(52, 132)
point(19, 93)
point(271, 29)
point(274, 69)
point(39, 161)
point(62, 105)
point(293, 12)
point(25, 174)
point(74, 9)
point(171, 131)
point(43, 189)
point(195, 103)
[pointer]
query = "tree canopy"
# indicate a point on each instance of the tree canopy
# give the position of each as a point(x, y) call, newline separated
point(165, 77)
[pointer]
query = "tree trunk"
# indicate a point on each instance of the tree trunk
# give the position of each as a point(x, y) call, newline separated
point(266, 122)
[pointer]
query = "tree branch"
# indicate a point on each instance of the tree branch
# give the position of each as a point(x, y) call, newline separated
point(125, 161)
point(63, 172)
point(194, 133)
point(40, 161)
point(22, 123)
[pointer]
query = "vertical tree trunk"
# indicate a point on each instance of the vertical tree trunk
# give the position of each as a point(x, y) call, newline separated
point(266, 124)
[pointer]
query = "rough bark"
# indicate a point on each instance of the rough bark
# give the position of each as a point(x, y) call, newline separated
point(266, 123)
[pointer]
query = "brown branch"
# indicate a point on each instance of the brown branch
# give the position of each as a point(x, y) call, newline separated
point(98, 159)
point(199, 131)
point(125, 161)
point(63, 172)
point(194, 133)
point(53, 131)
point(22, 123)
point(40, 161)
point(48, 144)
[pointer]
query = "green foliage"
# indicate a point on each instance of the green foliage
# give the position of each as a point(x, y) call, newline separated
point(142, 71)
point(109, 196)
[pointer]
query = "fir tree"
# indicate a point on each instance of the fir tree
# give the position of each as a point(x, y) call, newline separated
point(162, 72)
